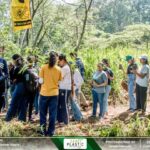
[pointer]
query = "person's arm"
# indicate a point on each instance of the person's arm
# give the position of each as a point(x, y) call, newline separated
point(141, 75)
point(5, 69)
point(2, 78)
point(60, 76)
point(64, 71)
point(15, 74)
point(41, 76)
point(102, 84)
point(110, 75)
point(78, 80)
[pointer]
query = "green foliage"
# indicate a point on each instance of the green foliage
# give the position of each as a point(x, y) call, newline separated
point(115, 130)
point(58, 25)
point(113, 16)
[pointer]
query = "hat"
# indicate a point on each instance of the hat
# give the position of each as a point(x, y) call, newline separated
point(129, 57)
point(143, 57)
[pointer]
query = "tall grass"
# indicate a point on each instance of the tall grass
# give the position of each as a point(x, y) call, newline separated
point(115, 56)
point(90, 58)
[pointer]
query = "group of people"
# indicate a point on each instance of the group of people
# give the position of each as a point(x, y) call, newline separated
point(138, 83)
point(54, 89)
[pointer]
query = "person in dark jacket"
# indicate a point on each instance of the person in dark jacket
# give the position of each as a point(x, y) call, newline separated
point(11, 68)
point(31, 94)
point(79, 63)
point(18, 101)
point(3, 79)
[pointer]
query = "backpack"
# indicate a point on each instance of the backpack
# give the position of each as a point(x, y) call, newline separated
point(30, 82)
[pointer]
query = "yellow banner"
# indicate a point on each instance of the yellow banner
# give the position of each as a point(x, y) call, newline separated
point(20, 13)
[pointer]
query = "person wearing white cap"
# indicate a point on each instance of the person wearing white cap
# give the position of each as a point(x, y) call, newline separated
point(142, 82)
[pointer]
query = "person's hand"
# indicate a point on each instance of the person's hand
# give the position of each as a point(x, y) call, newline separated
point(91, 83)
point(14, 81)
point(95, 84)
point(108, 75)
point(134, 71)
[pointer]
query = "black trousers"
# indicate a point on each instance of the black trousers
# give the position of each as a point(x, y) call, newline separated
point(62, 109)
point(141, 97)
point(2, 100)
point(2, 96)
point(30, 101)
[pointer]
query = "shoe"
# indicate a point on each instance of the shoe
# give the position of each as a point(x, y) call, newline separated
point(137, 109)
point(72, 119)
point(41, 133)
point(92, 117)
point(31, 120)
point(101, 120)
point(129, 109)
point(132, 110)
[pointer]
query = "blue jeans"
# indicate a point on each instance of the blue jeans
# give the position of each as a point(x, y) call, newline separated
point(108, 89)
point(17, 104)
point(12, 88)
point(98, 98)
point(131, 84)
point(48, 103)
point(77, 115)
point(63, 106)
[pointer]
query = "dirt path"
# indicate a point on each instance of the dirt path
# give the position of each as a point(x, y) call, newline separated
point(87, 127)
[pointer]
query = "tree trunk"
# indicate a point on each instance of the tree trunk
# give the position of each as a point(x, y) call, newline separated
point(87, 9)
point(34, 11)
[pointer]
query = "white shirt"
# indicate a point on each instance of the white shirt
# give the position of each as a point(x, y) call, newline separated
point(78, 80)
point(143, 81)
point(65, 84)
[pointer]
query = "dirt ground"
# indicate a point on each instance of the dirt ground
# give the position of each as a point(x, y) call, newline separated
point(87, 126)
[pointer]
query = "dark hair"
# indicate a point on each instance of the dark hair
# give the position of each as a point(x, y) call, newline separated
point(146, 62)
point(16, 56)
point(133, 60)
point(100, 64)
point(62, 57)
point(52, 59)
point(72, 54)
point(29, 59)
point(105, 61)
point(18, 59)
point(54, 53)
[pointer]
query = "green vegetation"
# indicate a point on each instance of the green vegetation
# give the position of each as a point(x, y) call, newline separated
point(137, 127)
point(96, 29)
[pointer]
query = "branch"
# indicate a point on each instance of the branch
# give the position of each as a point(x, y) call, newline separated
point(72, 4)
point(37, 7)
point(41, 38)
point(87, 9)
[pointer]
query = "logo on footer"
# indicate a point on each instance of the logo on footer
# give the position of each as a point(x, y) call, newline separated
point(75, 143)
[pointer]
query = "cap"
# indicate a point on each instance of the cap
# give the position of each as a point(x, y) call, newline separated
point(143, 57)
point(129, 57)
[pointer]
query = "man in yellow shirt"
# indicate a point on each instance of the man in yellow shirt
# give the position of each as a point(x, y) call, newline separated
point(50, 75)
